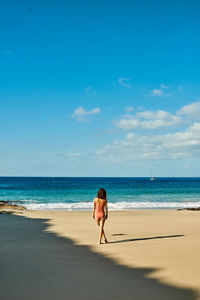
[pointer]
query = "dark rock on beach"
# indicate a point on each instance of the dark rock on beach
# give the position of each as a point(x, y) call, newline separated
point(190, 208)
point(10, 206)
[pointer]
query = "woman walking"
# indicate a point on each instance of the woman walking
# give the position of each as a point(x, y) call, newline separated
point(100, 212)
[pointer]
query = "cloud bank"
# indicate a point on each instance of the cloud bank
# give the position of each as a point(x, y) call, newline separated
point(152, 119)
point(177, 145)
point(184, 143)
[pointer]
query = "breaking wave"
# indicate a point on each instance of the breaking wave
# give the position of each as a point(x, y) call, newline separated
point(112, 206)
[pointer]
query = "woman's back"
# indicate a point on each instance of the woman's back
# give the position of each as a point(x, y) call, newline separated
point(100, 204)
point(100, 212)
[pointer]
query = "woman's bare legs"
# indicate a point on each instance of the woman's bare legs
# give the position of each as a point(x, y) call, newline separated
point(101, 231)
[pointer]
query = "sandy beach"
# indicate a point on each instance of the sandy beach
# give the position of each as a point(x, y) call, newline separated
point(151, 254)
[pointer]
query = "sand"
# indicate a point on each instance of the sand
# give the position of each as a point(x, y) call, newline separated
point(151, 254)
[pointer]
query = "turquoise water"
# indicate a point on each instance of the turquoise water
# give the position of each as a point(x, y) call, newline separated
point(123, 193)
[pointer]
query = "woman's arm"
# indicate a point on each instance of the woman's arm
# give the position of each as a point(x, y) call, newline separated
point(93, 211)
point(106, 207)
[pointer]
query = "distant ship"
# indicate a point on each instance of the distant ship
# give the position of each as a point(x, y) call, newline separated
point(152, 178)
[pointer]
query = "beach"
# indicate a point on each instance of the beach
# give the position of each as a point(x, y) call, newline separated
point(100, 117)
point(151, 254)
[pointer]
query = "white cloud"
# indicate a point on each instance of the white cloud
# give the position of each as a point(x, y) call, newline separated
point(190, 110)
point(148, 119)
point(161, 91)
point(158, 147)
point(163, 86)
point(127, 123)
point(129, 109)
point(123, 81)
point(130, 136)
point(157, 92)
point(152, 119)
point(77, 154)
point(81, 115)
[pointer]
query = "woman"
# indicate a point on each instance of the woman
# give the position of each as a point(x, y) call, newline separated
point(100, 212)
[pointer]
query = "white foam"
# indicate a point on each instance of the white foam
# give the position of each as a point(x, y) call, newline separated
point(112, 206)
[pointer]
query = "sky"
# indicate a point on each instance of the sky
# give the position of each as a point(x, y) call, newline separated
point(100, 88)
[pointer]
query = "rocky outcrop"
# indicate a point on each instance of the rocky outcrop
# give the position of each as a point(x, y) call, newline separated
point(192, 208)
point(10, 206)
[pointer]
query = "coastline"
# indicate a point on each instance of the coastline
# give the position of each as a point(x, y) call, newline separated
point(71, 194)
point(162, 245)
point(116, 206)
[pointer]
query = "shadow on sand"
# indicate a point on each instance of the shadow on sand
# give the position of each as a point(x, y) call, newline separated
point(39, 265)
point(148, 238)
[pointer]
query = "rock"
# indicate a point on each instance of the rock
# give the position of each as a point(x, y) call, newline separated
point(192, 208)
point(8, 205)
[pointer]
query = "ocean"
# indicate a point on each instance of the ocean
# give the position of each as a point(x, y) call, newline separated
point(122, 193)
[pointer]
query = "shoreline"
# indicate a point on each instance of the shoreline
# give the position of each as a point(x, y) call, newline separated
point(113, 206)
point(112, 210)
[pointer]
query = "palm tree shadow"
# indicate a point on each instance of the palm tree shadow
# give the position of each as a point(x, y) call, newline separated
point(148, 238)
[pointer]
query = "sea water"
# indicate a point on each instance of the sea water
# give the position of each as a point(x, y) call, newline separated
point(122, 193)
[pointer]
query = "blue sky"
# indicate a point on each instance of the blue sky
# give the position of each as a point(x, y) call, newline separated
point(109, 88)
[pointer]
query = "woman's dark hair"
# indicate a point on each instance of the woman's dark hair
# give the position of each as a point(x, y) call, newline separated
point(101, 194)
